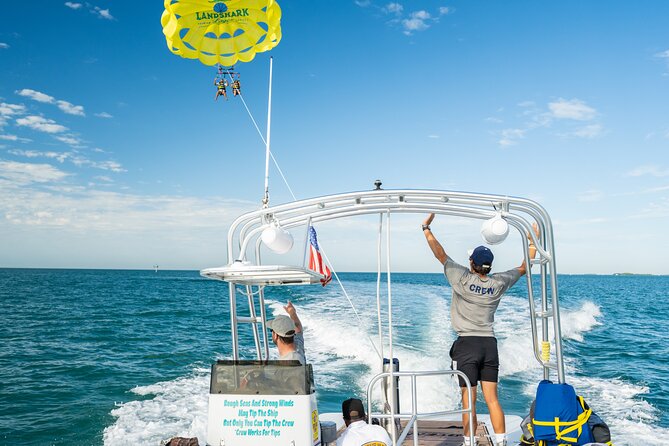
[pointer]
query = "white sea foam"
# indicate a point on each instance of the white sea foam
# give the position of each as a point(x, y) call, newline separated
point(335, 339)
point(512, 327)
point(179, 408)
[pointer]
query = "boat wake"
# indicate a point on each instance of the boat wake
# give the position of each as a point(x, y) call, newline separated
point(338, 346)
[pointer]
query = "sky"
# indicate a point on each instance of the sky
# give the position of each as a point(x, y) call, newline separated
point(114, 154)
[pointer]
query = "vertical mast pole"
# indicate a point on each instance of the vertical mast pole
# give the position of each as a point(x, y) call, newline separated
point(265, 200)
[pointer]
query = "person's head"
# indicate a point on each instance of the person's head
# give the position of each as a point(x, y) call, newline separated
point(283, 329)
point(353, 410)
point(481, 259)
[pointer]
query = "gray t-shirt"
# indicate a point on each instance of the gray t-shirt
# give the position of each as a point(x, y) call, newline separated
point(476, 298)
point(298, 354)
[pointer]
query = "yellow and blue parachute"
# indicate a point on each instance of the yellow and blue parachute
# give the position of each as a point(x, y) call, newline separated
point(221, 32)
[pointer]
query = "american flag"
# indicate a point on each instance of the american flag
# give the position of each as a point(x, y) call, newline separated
point(316, 260)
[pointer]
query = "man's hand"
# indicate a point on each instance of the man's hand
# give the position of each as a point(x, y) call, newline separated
point(535, 228)
point(290, 309)
point(531, 248)
point(429, 219)
point(292, 312)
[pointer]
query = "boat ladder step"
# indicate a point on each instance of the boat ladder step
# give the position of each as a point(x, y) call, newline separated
point(543, 314)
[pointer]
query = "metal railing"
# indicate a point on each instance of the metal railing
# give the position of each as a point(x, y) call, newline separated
point(519, 213)
point(415, 415)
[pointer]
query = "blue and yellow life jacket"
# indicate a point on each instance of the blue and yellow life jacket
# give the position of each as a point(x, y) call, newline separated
point(560, 416)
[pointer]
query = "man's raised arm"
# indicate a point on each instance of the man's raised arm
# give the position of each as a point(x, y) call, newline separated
point(434, 244)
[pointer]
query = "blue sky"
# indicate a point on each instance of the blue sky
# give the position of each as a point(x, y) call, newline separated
point(113, 153)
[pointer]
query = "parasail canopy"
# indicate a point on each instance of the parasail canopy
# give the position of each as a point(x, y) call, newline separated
point(221, 32)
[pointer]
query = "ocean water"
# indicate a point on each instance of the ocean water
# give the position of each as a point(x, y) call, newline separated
point(98, 357)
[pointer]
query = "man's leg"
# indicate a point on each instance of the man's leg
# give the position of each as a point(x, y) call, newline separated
point(496, 412)
point(465, 405)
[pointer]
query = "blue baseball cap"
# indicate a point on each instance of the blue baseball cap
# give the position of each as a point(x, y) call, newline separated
point(482, 256)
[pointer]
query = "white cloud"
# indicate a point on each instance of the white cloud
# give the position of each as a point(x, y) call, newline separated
point(104, 115)
point(71, 109)
point(511, 136)
point(103, 165)
point(36, 96)
point(561, 110)
point(8, 111)
point(590, 196)
point(74, 157)
point(589, 131)
point(22, 174)
point(65, 106)
point(58, 156)
point(14, 138)
point(663, 55)
point(408, 22)
point(571, 109)
point(70, 140)
point(80, 209)
point(393, 8)
point(417, 21)
point(653, 190)
point(41, 124)
point(3, 46)
point(433, 136)
point(102, 13)
point(651, 170)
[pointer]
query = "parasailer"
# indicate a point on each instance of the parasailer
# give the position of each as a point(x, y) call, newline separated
point(236, 87)
point(222, 33)
point(221, 88)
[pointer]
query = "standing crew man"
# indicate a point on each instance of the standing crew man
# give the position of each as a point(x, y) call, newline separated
point(476, 296)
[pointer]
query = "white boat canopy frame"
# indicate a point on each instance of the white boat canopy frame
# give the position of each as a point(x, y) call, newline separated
point(248, 271)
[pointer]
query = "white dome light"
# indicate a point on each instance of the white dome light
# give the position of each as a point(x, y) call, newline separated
point(277, 239)
point(495, 230)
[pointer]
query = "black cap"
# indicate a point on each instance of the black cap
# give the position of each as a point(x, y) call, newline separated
point(352, 409)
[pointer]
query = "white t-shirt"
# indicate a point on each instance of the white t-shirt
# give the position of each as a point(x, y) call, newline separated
point(359, 433)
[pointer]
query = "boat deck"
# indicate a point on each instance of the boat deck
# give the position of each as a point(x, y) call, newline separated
point(445, 433)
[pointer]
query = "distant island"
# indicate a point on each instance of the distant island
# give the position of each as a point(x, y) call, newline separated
point(632, 274)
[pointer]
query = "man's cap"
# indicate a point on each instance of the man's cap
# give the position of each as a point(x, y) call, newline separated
point(352, 408)
point(482, 256)
point(283, 326)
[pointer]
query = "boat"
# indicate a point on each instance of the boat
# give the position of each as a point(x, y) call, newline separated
point(261, 402)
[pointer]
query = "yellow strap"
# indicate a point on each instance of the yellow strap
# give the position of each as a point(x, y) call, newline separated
point(569, 426)
point(546, 351)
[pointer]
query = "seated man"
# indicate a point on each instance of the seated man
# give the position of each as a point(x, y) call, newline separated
point(358, 432)
point(287, 335)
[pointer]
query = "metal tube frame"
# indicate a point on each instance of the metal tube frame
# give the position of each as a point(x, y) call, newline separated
point(519, 212)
